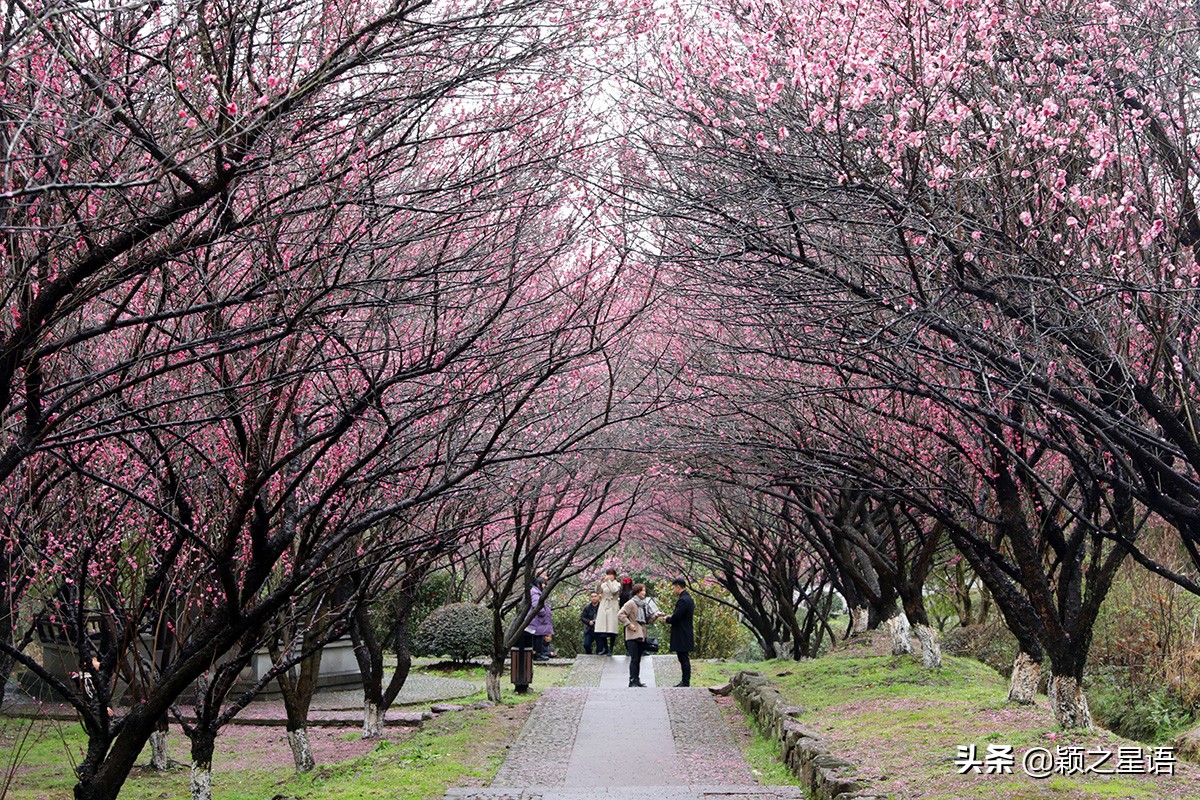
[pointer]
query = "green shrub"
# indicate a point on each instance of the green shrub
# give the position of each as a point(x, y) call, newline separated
point(719, 633)
point(438, 589)
point(1143, 674)
point(460, 630)
point(1151, 715)
point(568, 628)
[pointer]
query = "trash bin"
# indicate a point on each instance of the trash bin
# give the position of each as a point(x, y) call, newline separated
point(521, 665)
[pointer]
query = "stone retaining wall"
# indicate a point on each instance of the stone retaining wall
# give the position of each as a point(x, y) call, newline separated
point(823, 775)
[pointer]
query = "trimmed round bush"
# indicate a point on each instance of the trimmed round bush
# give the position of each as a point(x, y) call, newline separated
point(461, 631)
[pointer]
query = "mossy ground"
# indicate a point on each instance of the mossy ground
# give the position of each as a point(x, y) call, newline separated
point(902, 725)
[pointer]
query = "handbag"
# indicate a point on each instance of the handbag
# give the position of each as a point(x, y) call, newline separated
point(650, 643)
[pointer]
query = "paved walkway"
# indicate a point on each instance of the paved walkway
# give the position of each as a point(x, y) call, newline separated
point(597, 739)
point(330, 707)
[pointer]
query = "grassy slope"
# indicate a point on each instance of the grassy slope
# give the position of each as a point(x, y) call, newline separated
point(902, 725)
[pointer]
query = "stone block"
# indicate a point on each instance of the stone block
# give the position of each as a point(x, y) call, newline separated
point(408, 719)
point(749, 679)
point(834, 784)
point(828, 761)
point(442, 708)
point(794, 730)
point(1187, 745)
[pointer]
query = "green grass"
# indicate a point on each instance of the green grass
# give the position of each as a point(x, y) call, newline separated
point(415, 768)
point(449, 750)
point(466, 746)
point(763, 756)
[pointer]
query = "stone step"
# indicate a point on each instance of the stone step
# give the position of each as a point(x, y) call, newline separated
point(626, 792)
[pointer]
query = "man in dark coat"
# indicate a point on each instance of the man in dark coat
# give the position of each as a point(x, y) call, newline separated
point(683, 637)
point(588, 618)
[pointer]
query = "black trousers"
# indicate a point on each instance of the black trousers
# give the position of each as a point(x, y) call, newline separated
point(685, 666)
point(634, 648)
point(605, 642)
point(590, 638)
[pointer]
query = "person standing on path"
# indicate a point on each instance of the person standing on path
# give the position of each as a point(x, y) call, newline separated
point(588, 618)
point(607, 624)
point(542, 624)
point(635, 634)
point(683, 637)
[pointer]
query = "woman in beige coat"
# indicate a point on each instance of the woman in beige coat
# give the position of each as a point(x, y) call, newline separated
point(607, 624)
point(635, 633)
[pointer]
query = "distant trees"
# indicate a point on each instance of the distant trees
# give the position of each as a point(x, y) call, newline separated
point(745, 541)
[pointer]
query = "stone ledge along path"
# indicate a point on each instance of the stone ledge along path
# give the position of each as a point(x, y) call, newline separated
point(597, 739)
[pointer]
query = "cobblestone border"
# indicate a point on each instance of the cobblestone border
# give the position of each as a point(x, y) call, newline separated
point(586, 671)
point(666, 670)
point(823, 775)
point(542, 751)
point(704, 743)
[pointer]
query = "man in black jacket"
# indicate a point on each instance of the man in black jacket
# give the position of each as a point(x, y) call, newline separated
point(683, 638)
point(588, 618)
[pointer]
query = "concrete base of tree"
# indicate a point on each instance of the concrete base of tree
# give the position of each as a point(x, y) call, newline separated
point(1026, 674)
point(1069, 703)
point(931, 650)
point(373, 717)
point(302, 753)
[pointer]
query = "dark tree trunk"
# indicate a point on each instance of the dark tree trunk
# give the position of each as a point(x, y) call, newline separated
point(369, 652)
point(203, 744)
point(298, 685)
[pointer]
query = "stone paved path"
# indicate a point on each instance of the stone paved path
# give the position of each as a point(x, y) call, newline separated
point(330, 707)
point(596, 739)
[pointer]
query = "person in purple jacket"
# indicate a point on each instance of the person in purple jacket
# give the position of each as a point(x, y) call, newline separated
point(542, 625)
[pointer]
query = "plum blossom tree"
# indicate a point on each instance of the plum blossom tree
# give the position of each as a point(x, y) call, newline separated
point(443, 524)
point(276, 280)
point(988, 210)
point(560, 519)
point(1010, 190)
